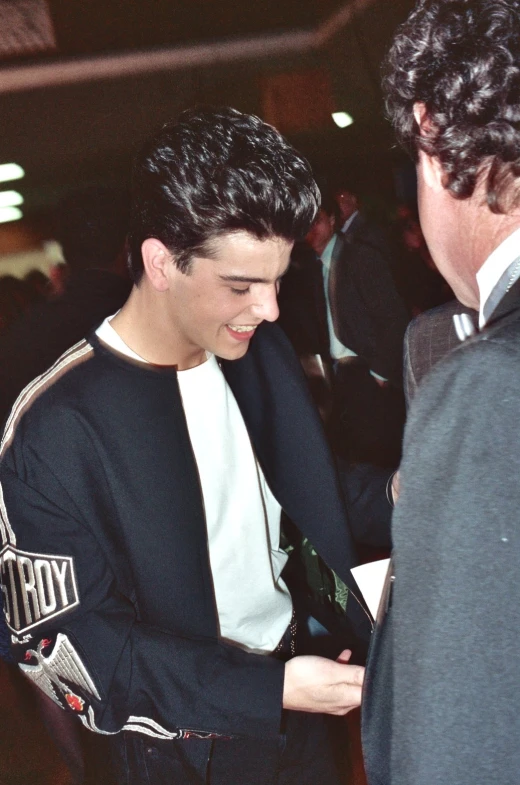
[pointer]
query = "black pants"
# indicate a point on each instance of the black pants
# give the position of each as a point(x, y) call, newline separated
point(304, 754)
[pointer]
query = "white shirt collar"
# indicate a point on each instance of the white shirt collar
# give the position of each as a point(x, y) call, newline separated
point(326, 256)
point(106, 333)
point(494, 267)
point(346, 225)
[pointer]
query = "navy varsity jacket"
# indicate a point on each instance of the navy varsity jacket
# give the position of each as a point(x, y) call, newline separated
point(104, 561)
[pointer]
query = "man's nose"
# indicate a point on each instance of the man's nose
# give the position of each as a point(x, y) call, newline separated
point(267, 307)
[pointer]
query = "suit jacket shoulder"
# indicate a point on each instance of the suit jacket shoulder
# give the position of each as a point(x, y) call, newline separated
point(455, 530)
point(428, 338)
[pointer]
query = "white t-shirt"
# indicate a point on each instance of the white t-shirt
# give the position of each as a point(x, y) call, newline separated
point(242, 516)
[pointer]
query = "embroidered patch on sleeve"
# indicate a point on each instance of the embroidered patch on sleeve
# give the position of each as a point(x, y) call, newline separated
point(62, 675)
point(36, 587)
point(59, 674)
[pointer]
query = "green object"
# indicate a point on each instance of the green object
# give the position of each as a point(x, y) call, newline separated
point(308, 571)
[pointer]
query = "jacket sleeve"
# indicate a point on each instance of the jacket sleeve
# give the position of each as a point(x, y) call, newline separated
point(366, 489)
point(78, 636)
point(457, 594)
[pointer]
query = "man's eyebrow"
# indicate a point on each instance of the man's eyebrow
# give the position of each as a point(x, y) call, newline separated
point(242, 279)
point(248, 279)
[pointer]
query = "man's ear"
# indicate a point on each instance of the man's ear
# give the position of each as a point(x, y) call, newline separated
point(156, 259)
point(431, 167)
point(422, 117)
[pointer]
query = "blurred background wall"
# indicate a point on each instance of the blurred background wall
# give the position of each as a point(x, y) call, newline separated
point(82, 84)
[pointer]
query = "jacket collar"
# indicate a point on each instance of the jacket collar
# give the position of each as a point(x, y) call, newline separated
point(288, 437)
point(509, 304)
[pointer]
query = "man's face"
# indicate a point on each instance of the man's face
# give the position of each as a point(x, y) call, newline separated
point(347, 203)
point(320, 232)
point(223, 299)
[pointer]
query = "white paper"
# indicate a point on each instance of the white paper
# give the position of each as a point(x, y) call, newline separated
point(371, 580)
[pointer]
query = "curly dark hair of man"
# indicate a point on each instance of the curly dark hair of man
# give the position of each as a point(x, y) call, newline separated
point(214, 172)
point(461, 58)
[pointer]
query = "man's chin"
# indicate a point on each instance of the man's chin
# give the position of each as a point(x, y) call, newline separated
point(234, 353)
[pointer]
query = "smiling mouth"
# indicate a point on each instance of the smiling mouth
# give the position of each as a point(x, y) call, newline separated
point(242, 328)
point(241, 333)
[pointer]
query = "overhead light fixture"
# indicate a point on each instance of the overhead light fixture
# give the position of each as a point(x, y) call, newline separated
point(10, 214)
point(342, 119)
point(10, 172)
point(10, 199)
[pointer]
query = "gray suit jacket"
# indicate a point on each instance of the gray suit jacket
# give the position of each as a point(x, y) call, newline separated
point(428, 338)
point(444, 672)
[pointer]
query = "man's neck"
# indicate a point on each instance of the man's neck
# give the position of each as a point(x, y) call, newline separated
point(472, 232)
point(144, 326)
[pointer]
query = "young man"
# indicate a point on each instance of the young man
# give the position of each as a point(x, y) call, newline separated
point(144, 474)
point(452, 85)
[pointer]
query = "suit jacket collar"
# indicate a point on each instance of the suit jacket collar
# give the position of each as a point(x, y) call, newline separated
point(357, 224)
point(508, 305)
point(338, 248)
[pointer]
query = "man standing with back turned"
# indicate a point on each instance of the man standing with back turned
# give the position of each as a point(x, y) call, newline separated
point(143, 478)
point(453, 627)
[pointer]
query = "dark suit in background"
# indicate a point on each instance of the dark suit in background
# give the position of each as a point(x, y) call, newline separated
point(40, 336)
point(369, 315)
point(92, 226)
point(370, 319)
point(303, 318)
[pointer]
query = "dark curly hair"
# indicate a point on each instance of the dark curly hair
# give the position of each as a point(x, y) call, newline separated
point(461, 58)
point(215, 172)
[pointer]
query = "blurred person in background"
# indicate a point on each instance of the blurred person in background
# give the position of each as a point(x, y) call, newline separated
point(420, 283)
point(442, 693)
point(39, 285)
point(303, 318)
point(144, 477)
point(366, 321)
point(15, 299)
point(92, 227)
point(58, 277)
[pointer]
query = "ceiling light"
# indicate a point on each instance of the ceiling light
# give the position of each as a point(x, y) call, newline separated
point(10, 172)
point(342, 119)
point(10, 199)
point(10, 214)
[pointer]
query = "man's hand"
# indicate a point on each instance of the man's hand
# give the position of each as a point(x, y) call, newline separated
point(318, 685)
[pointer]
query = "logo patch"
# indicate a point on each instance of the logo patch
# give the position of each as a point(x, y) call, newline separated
point(75, 703)
point(56, 673)
point(36, 587)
